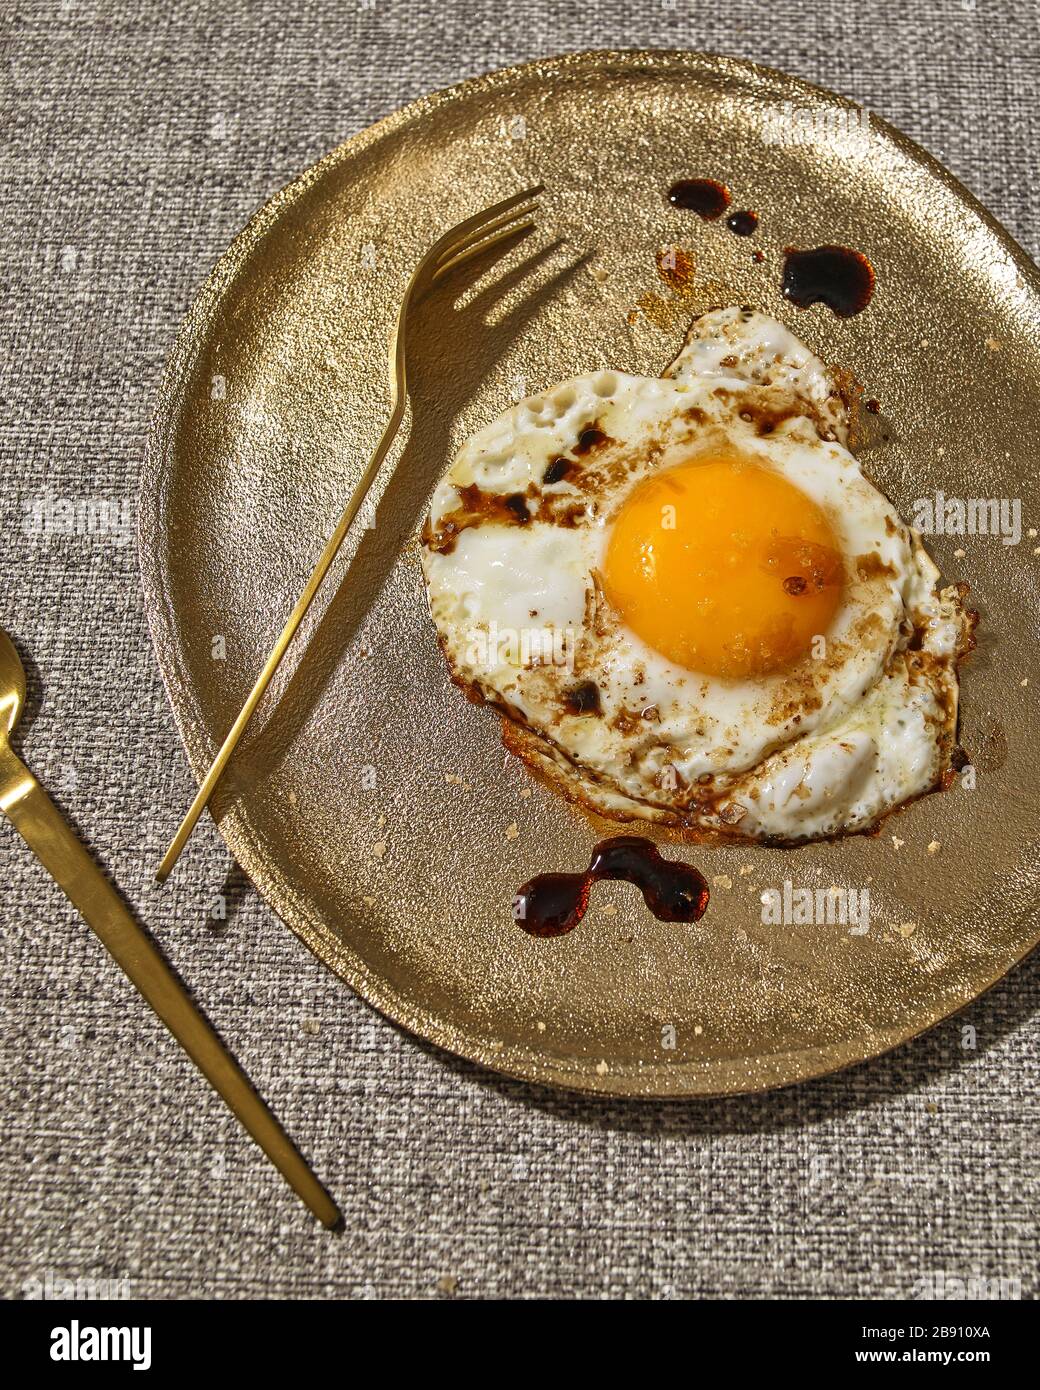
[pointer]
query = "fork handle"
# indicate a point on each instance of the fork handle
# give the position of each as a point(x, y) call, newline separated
point(47, 833)
point(296, 617)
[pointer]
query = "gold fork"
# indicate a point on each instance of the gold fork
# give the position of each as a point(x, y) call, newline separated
point(473, 237)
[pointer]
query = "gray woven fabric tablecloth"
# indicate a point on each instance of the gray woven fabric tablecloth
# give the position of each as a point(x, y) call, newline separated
point(137, 139)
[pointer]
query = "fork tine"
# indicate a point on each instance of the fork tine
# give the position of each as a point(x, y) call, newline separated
point(477, 249)
point(479, 219)
point(516, 215)
point(477, 245)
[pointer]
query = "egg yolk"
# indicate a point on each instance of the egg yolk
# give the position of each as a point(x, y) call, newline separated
point(724, 567)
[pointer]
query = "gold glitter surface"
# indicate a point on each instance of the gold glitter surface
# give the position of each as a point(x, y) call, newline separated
point(371, 805)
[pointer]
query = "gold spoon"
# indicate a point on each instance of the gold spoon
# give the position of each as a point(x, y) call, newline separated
point(44, 829)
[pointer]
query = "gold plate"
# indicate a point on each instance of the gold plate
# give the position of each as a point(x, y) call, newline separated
point(372, 806)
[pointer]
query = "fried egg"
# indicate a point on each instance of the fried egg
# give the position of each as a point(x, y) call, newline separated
point(690, 604)
point(745, 343)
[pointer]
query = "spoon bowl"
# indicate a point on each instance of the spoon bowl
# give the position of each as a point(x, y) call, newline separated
point(12, 685)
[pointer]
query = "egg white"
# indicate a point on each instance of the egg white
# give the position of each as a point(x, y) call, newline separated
point(749, 344)
point(825, 746)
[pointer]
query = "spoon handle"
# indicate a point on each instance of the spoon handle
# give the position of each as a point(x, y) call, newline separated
point(44, 829)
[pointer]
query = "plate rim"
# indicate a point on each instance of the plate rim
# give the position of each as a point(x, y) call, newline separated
point(746, 1076)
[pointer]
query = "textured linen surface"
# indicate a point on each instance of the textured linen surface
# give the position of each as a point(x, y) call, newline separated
point(137, 140)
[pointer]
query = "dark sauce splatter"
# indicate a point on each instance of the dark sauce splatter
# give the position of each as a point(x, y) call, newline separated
point(706, 197)
point(675, 267)
point(590, 438)
point(873, 406)
point(743, 223)
point(833, 275)
point(959, 758)
point(475, 507)
point(554, 904)
point(758, 257)
point(557, 469)
point(583, 699)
